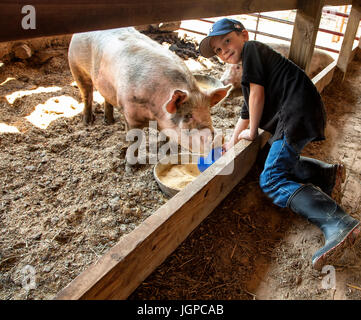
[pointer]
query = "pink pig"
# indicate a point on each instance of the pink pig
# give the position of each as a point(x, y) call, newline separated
point(147, 81)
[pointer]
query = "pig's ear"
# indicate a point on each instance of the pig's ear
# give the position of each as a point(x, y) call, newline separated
point(219, 94)
point(176, 100)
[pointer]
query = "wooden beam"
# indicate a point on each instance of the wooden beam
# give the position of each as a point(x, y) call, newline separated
point(305, 31)
point(70, 16)
point(120, 271)
point(324, 77)
point(350, 34)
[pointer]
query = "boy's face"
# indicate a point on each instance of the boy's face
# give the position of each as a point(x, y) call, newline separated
point(229, 47)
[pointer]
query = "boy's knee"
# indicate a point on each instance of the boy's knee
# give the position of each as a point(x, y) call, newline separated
point(270, 180)
point(264, 181)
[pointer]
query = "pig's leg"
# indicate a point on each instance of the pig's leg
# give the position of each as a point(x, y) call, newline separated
point(86, 89)
point(85, 86)
point(108, 113)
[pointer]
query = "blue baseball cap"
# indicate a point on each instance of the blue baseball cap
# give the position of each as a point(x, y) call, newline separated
point(218, 28)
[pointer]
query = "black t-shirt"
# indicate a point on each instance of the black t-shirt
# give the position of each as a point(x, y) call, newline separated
point(293, 106)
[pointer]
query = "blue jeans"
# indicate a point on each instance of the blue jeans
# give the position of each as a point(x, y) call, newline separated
point(277, 180)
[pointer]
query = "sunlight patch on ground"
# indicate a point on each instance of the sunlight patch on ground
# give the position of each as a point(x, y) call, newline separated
point(97, 97)
point(19, 94)
point(54, 108)
point(7, 80)
point(5, 128)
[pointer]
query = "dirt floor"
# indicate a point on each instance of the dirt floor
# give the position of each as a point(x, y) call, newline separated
point(67, 197)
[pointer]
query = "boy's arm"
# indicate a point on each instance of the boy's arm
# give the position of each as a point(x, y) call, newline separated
point(256, 102)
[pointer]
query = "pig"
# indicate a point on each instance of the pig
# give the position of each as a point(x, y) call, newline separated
point(320, 60)
point(145, 80)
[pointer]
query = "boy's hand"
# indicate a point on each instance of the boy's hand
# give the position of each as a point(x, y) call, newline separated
point(228, 145)
point(247, 135)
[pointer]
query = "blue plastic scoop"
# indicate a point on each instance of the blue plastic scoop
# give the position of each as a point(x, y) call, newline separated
point(213, 156)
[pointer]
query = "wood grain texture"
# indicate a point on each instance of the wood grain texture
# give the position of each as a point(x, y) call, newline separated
point(305, 30)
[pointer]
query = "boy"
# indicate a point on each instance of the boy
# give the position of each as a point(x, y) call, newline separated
point(281, 99)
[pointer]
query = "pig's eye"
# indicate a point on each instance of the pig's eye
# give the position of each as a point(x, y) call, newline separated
point(187, 117)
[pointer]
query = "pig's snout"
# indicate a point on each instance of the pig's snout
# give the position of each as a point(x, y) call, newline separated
point(206, 134)
point(232, 75)
point(201, 140)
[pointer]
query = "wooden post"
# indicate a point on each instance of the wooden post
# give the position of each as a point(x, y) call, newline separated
point(305, 31)
point(346, 51)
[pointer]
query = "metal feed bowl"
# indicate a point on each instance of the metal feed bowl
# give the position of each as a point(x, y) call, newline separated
point(166, 163)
